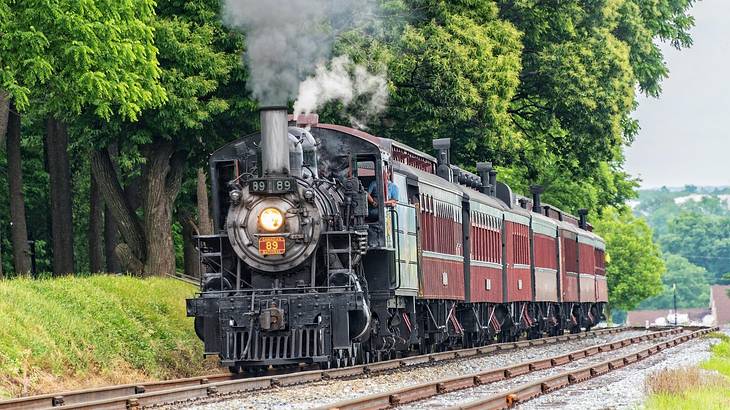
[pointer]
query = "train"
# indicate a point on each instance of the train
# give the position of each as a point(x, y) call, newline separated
point(335, 247)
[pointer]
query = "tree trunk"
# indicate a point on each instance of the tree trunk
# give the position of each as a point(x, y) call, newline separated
point(120, 209)
point(148, 247)
point(18, 228)
point(190, 252)
point(4, 111)
point(205, 224)
point(162, 179)
point(111, 232)
point(111, 240)
point(96, 253)
point(61, 209)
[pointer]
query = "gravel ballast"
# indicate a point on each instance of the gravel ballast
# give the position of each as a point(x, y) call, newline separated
point(481, 392)
point(623, 388)
point(332, 391)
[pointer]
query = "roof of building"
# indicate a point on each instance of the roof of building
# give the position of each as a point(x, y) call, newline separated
point(720, 303)
point(640, 317)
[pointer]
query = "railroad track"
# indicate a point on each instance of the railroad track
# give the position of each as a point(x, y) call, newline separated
point(526, 391)
point(131, 396)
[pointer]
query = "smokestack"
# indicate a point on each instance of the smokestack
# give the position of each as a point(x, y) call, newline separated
point(483, 169)
point(274, 141)
point(583, 222)
point(492, 182)
point(443, 149)
point(536, 191)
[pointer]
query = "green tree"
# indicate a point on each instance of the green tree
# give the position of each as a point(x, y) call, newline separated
point(703, 239)
point(452, 67)
point(634, 264)
point(206, 105)
point(76, 54)
point(581, 65)
point(543, 89)
point(692, 287)
point(71, 57)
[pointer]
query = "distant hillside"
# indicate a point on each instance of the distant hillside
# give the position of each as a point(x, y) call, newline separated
point(692, 227)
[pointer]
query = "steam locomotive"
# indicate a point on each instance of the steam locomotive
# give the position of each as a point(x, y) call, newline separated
point(337, 247)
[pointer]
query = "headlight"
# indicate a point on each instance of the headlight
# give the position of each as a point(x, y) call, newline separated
point(271, 219)
point(235, 196)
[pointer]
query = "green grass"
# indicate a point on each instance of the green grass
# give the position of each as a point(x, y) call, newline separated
point(79, 331)
point(700, 399)
point(720, 360)
point(689, 389)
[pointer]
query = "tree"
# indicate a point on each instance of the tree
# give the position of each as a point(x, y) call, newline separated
point(634, 264)
point(453, 69)
point(205, 223)
point(111, 231)
point(703, 239)
point(202, 77)
point(57, 164)
point(96, 229)
point(4, 111)
point(543, 89)
point(18, 229)
point(580, 66)
point(75, 57)
point(692, 288)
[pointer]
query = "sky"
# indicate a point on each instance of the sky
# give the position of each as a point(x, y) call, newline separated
point(685, 133)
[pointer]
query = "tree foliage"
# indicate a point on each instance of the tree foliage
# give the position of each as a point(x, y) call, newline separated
point(703, 239)
point(634, 263)
point(200, 67)
point(73, 54)
point(691, 222)
point(544, 89)
point(457, 69)
point(690, 281)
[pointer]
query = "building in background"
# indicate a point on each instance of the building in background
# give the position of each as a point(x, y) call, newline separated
point(663, 317)
point(720, 304)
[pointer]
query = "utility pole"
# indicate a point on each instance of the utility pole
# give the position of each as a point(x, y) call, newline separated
point(674, 288)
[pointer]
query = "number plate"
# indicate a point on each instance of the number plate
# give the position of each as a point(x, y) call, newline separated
point(276, 186)
point(272, 245)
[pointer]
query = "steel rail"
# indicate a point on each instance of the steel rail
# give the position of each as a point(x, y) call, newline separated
point(422, 391)
point(144, 394)
point(549, 384)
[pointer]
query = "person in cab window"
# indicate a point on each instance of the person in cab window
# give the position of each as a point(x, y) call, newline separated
point(374, 194)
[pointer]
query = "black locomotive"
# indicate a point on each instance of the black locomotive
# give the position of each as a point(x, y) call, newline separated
point(334, 246)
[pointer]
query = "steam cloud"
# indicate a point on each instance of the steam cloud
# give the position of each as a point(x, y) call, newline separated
point(343, 82)
point(288, 39)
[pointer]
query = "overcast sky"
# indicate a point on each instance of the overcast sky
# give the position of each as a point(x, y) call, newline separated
point(685, 134)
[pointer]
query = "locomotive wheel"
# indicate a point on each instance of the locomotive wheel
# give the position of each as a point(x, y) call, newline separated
point(234, 369)
point(534, 333)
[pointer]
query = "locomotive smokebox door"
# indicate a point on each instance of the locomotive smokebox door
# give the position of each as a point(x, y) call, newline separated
point(272, 319)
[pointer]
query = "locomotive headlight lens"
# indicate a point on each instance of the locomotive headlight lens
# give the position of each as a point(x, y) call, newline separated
point(271, 219)
point(235, 196)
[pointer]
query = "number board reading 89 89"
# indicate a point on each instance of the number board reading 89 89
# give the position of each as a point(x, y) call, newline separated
point(272, 186)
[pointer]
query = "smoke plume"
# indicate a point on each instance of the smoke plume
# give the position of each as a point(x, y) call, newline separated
point(344, 82)
point(288, 41)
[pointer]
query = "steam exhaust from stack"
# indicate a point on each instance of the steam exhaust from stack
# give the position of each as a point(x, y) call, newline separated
point(289, 44)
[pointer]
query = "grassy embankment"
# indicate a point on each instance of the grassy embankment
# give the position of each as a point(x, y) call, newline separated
point(703, 387)
point(76, 332)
